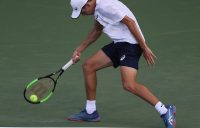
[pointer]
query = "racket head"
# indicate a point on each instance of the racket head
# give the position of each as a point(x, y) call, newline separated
point(43, 88)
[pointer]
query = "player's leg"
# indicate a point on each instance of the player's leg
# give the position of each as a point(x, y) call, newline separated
point(129, 59)
point(130, 84)
point(96, 62)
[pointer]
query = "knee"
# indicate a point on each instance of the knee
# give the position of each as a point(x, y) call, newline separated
point(131, 87)
point(87, 66)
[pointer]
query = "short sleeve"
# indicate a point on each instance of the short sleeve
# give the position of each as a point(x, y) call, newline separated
point(112, 14)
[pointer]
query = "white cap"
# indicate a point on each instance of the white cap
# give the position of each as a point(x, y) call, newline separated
point(77, 6)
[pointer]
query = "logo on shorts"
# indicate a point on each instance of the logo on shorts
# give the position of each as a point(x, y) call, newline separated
point(123, 57)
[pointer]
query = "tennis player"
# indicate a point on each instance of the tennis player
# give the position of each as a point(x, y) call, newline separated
point(128, 44)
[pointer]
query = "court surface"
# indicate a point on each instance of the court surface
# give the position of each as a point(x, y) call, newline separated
point(37, 37)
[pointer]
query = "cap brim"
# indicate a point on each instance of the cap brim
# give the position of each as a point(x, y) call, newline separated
point(75, 14)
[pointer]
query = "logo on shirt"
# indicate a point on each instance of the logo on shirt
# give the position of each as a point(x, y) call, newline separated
point(123, 57)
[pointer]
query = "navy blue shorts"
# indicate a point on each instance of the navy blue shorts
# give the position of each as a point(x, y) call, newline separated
point(123, 54)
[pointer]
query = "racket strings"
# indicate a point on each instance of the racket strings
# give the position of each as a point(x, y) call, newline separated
point(42, 88)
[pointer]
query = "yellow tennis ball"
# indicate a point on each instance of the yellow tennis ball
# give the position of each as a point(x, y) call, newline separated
point(33, 98)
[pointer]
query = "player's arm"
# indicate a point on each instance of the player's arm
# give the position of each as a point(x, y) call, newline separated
point(91, 37)
point(148, 54)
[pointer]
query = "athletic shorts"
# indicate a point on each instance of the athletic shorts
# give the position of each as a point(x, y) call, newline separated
point(123, 54)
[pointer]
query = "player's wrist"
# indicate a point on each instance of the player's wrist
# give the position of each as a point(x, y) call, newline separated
point(78, 50)
point(144, 47)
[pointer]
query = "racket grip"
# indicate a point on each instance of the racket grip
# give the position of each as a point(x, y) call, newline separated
point(67, 65)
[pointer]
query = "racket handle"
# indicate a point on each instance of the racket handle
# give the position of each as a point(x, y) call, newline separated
point(67, 65)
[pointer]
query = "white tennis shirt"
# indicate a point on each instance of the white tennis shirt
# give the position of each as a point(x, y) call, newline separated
point(109, 13)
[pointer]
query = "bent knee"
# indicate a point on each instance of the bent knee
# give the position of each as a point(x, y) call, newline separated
point(131, 87)
point(88, 65)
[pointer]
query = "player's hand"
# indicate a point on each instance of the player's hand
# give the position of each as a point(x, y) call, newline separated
point(76, 56)
point(149, 56)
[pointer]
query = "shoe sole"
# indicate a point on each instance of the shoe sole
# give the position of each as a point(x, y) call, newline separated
point(94, 120)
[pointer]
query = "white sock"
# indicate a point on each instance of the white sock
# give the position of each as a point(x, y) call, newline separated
point(160, 107)
point(90, 106)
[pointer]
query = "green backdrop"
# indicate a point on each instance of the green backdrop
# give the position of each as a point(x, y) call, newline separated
point(38, 36)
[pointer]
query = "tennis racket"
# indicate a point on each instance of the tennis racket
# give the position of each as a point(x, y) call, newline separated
point(41, 89)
